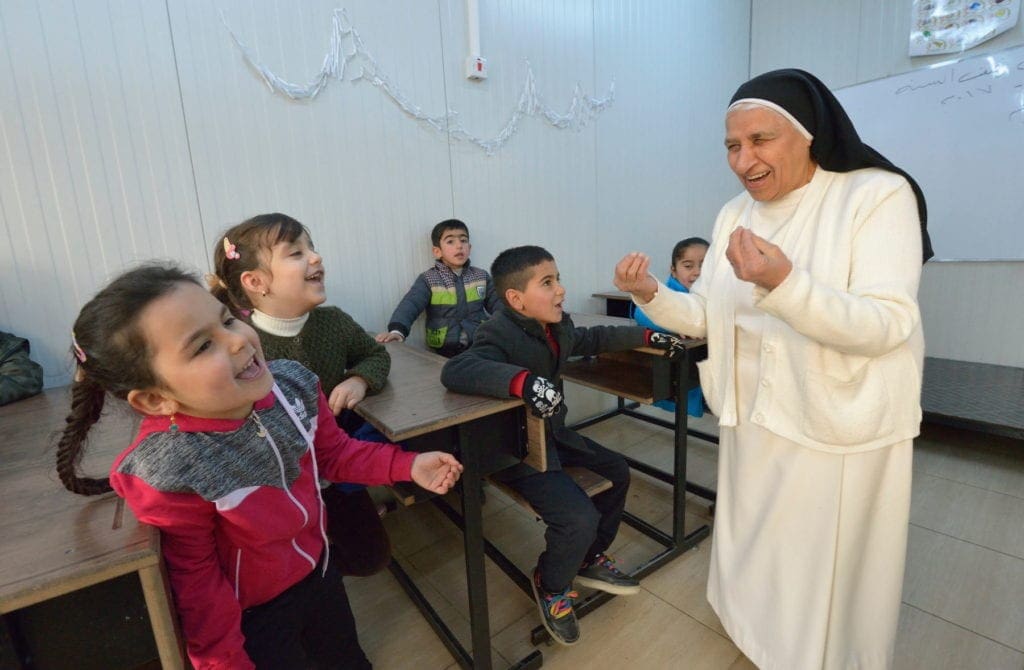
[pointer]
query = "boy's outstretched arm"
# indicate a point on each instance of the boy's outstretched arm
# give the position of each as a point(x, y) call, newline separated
point(409, 309)
point(483, 369)
point(598, 339)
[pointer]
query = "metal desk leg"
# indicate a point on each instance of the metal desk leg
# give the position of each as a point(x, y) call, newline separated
point(679, 541)
point(476, 578)
point(682, 368)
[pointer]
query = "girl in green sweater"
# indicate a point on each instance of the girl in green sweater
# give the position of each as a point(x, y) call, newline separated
point(267, 270)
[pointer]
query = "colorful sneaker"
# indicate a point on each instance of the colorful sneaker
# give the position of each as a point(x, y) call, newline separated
point(602, 575)
point(556, 612)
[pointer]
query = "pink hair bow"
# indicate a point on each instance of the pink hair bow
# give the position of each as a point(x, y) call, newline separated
point(229, 250)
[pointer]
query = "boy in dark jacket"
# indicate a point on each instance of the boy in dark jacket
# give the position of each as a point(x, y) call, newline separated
point(519, 352)
point(456, 295)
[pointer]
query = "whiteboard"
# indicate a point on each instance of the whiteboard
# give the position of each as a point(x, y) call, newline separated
point(958, 129)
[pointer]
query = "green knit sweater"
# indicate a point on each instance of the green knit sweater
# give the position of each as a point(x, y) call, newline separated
point(335, 347)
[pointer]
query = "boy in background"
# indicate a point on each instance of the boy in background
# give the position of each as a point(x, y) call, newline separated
point(456, 295)
point(519, 352)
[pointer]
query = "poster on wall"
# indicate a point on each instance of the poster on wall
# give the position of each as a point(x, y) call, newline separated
point(953, 26)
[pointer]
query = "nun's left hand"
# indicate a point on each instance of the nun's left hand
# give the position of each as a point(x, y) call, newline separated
point(756, 260)
point(633, 275)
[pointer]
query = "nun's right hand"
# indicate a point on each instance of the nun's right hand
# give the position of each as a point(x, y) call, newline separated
point(756, 260)
point(632, 275)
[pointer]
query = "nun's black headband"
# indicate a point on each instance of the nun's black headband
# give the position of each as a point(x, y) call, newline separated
point(836, 145)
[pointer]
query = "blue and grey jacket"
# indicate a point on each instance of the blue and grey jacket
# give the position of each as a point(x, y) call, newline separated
point(455, 304)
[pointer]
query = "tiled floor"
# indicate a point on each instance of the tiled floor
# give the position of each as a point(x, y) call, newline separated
point(962, 595)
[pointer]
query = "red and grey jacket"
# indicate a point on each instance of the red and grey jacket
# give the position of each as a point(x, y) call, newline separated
point(237, 503)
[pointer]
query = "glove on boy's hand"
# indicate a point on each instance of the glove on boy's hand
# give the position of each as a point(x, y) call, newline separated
point(542, 396)
point(673, 345)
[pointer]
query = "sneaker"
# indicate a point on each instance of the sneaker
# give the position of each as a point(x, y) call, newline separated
point(602, 575)
point(556, 612)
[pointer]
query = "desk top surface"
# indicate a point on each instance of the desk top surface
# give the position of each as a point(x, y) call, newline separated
point(413, 402)
point(612, 295)
point(55, 541)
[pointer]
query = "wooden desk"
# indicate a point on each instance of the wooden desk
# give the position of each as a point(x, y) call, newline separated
point(55, 542)
point(487, 435)
point(617, 303)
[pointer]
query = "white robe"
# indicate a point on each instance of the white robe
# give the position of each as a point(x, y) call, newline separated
point(810, 535)
point(804, 572)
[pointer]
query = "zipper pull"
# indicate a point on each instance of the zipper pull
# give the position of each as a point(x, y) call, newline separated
point(261, 431)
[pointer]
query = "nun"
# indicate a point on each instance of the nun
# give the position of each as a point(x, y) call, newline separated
point(808, 301)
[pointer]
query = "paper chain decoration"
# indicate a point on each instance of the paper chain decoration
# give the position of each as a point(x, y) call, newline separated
point(581, 110)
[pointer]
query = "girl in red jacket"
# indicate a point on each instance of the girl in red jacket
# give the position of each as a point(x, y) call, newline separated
point(226, 463)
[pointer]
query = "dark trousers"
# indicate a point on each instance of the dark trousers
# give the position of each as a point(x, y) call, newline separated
point(578, 527)
point(360, 544)
point(308, 626)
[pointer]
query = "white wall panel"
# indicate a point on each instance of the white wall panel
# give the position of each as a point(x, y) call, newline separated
point(94, 170)
point(661, 168)
point(137, 130)
point(364, 178)
point(971, 311)
point(540, 188)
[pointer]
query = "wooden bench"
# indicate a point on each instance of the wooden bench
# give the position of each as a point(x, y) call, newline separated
point(591, 483)
point(408, 493)
point(536, 457)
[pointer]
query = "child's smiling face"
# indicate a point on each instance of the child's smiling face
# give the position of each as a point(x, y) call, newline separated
point(687, 268)
point(293, 279)
point(207, 363)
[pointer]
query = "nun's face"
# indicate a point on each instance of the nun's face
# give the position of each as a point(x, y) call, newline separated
point(769, 155)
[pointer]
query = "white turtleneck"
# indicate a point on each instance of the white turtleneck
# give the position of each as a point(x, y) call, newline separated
point(769, 217)
point(279, 327)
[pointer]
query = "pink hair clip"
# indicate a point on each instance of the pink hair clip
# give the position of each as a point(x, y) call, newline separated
point(229, 250)
point(79, 353)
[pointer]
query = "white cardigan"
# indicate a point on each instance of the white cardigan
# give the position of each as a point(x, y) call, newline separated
point(842, 350)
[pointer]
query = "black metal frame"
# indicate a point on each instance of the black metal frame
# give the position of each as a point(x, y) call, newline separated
point(476, 465)
point(470, 520)
point(629, 409)
point(683, 379)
